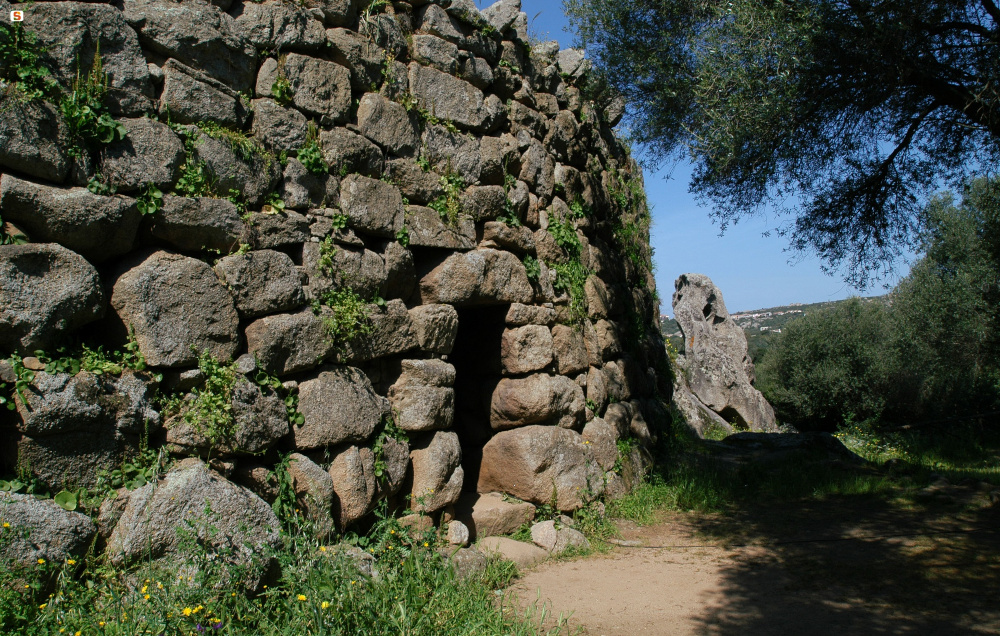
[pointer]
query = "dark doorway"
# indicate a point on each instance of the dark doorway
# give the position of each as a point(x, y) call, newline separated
point(476, 357)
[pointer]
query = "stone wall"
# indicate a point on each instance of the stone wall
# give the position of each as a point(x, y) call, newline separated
point(338, 222)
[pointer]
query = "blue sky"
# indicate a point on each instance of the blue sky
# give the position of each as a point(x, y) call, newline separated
point(753, 271)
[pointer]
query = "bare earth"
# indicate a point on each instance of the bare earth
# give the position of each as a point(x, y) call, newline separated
point(834, 567)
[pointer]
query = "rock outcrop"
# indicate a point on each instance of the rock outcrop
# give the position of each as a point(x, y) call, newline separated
point(716, 367)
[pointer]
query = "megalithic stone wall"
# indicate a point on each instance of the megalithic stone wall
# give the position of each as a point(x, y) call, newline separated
point(397, 244)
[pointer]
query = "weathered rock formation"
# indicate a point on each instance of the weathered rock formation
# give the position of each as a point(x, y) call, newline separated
point(385, 252)
point(714, 385)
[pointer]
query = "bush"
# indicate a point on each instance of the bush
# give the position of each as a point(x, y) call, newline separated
point(830, 367)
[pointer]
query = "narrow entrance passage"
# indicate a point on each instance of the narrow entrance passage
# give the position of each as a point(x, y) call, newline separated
point(476, 358)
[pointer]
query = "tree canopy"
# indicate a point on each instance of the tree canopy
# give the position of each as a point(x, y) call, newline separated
point(847, 113)
point(927, 351)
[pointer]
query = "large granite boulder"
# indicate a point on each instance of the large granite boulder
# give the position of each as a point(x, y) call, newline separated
point(319, 88)
point(537, 399)
point(492, 514)
point(279, 26)
point(437, 471)
point(190, 96)
point(391, 332)
point(388, 124)
point(253, 174)
point(526, 349)
point(422, 398)
point(150, 153)
point(278, 128)
point(357, 53)
point(339, 405)
point(259, 420)
point(96, 227)
point(198, 34)
point(447, 97)
point(718, 368)
point(436, 327)
point(40, 529)
point(313, 491)
point(479, 277)
point(72, 34)
point(428, 229)
point(230, 521)
point(198, 223)
point(346, 151)
point(541, 464)
point(177, 308)
point(372, 206)
point(354, 485)
point(288, 343)
point(74, 427)
point(46, 292)
point(33, 138)
point(261, 282)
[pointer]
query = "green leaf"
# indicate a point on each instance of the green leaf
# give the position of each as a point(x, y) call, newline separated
point(65, 499)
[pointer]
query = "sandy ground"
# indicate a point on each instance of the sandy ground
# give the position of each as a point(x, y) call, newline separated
point(858, 567)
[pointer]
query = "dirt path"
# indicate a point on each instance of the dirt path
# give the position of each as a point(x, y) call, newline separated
point(844, 567)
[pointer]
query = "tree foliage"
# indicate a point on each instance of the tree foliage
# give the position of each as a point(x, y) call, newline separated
point(928, 352)
point(849, 112)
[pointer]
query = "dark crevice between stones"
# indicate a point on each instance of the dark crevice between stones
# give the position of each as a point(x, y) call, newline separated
point(476, 358)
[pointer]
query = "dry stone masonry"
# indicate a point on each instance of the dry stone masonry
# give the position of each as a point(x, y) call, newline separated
point(391, 251)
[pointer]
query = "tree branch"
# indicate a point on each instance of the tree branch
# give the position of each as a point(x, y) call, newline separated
point(972, 27)
point(991, 9)
point(908, 137)
point(963, 99)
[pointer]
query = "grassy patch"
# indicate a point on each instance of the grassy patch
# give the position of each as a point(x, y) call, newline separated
point(690, 480)
point(320, 592)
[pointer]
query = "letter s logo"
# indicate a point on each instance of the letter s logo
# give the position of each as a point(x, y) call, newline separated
point(16, 16)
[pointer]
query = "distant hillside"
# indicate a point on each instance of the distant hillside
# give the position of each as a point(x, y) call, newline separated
point(759, 325)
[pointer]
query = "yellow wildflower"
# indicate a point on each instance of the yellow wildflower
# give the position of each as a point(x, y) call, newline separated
point(324, 604)
point(322, 548)
point(301, 597)
point(6, 524)
point(146, 597)
point(42, 606)
point(100, 623)
point(70, 561)
point(41, 561)
point(187, 611)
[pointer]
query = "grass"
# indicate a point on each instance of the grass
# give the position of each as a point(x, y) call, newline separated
point(321, 591)
point(900, 464)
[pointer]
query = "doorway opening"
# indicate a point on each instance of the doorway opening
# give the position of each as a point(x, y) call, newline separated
point(478, 370)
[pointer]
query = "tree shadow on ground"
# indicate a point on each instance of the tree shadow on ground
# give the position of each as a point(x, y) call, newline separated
point(859, 565)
